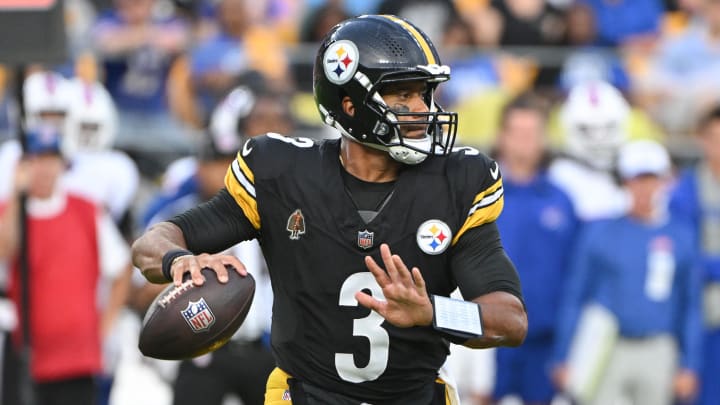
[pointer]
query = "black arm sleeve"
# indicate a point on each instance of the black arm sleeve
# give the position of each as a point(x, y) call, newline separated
point(215, 225)
point(481, 266)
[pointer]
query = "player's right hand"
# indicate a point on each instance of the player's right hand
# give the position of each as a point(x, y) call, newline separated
point(193, 264)
point(560, 376)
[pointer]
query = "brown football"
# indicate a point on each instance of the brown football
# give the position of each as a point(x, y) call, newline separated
point(187, 321)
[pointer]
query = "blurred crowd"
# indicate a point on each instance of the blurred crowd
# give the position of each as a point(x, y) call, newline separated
point(604, 116)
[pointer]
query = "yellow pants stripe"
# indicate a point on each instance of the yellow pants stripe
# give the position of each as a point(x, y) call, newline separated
point(277, 390)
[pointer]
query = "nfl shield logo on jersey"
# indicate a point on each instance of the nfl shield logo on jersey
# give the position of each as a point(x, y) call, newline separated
point(365, 239)
point(198, 315)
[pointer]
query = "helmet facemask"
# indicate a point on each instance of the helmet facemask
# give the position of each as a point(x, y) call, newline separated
point(387, 125)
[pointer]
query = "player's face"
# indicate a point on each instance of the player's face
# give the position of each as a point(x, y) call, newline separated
point(645, 191)
point(53, 119)
point(211, 175)
point(522, 138)
point(268, 116)
point(710, 141)
point(407, 97)
point(44, 170)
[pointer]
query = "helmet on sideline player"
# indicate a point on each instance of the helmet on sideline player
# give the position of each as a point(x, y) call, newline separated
point(46, 96)
point(594, 117)
point(362, 55)
point(226, 119)
point(91, 122)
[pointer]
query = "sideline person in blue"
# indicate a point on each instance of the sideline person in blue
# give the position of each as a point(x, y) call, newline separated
point(697, 198)
point(642, 267)
point(538, 231)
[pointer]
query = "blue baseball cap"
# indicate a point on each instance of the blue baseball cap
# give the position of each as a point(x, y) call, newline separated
point(42, 140)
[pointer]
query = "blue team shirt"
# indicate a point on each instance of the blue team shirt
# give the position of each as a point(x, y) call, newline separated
point(617, 20)
point(538, 228)
point(221, 53)
point(138, 81)
point(612, 266)
point(685, 204)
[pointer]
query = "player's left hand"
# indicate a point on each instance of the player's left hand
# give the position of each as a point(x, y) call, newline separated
point(685, 385)
point(406, 300)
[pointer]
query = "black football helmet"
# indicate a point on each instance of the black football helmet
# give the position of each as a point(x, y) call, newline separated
point(359, 57)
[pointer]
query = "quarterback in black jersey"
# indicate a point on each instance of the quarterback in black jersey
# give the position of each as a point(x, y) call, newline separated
point(353, 321)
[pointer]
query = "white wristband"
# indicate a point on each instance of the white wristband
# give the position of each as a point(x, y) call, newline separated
point(458, 318)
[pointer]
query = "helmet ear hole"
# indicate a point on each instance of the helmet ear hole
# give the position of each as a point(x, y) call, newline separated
point(348, 107)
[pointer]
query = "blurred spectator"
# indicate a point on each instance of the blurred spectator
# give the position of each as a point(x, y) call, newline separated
point(73, 249)
point(588, 62)
point(476, 86)
point(529, 22)
point(697, 198)
point(242, 45)
point(623, 21)
point(320, 20)
point(642, 268)
point(79, 18)
point(138, 47)
point(594, 116)
point(683, 78)
point(431, 16)
point(351, 7)
point(473, 73)
point(539, 228)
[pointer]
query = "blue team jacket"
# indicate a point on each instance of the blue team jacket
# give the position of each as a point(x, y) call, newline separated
point(538, 228)
point(616, 265)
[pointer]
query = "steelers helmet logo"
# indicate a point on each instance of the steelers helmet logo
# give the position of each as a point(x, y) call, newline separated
point(341, 61)
point(434, 236)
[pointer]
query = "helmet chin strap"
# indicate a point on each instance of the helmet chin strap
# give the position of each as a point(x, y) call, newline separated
point(398, 153)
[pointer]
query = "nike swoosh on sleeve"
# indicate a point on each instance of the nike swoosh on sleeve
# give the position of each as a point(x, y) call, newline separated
point(495, 171)
point(246, 150)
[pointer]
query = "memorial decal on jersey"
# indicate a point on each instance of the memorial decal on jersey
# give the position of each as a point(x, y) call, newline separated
point(198, 315)
point(365, 239)
point(341, 61)
point(434, 236)
point(296, 224)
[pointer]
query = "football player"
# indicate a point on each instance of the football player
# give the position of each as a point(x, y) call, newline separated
point(389, 218)
point(594, 117)
point(106, 176)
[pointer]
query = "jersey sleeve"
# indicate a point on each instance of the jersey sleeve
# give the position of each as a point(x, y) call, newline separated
point(261, 158)
point(240, 183)
point(479, 190)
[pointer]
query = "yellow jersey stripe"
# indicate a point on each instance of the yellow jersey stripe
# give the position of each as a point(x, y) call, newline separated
point(246, 170)
point(486, 210)
point(418, 37)
point(488, 191)
point(237, 185)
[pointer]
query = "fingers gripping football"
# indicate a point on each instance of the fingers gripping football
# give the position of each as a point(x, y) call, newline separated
point(406, 300)
point(194, 264)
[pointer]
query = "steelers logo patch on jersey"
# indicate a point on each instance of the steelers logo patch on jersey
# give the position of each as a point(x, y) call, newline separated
point(434, 236)
point(341, 61)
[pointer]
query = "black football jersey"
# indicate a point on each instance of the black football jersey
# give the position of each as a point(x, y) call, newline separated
point(314, 241)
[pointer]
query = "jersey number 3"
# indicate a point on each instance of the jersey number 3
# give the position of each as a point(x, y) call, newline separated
point(369, 327)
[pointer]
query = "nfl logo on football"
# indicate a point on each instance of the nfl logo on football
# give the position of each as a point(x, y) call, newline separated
point(198, 315)
point(365, 239)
